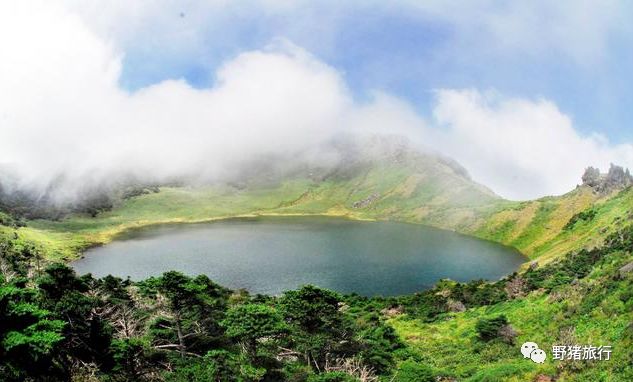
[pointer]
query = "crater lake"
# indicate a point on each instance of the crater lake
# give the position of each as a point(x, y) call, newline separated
point(274, 254)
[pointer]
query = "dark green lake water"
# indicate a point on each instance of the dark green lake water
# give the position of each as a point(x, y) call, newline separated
point(271, 255)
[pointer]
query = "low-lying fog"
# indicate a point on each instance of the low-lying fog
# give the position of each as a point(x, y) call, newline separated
point(66, 124)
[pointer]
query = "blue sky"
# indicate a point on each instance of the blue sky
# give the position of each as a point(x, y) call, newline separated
point(410, 50)
point(525, 95)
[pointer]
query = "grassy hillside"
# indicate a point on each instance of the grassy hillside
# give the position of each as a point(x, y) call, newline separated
point(536, 228)
point(573, 296)
point(583, 300)
point(404, 186)
point(541, 228)
point(382, 179)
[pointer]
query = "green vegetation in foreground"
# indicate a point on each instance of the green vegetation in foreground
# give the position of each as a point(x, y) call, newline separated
point(582, 300)
point(577, 294)
point(55, 326)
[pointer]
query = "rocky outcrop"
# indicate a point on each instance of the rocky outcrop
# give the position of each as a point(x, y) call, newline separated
point(455, 306)
point(367, 201)
point(617, 178)
point(626, 270)
point(393, 311)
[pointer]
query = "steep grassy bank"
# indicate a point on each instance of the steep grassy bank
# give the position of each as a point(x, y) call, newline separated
point(539, 229)
point(585, 299)
point(581, 298)
point(414, 189)
point(542, 229)
point(573, 296)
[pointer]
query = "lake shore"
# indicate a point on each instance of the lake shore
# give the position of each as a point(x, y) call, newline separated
point(535, 228)
point(272, 254)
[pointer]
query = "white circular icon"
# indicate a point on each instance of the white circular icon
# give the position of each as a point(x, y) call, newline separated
point(528, 348)
point(538, 356)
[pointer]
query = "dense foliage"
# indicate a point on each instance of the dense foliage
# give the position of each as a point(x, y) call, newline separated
point(89, 200)
point(57, 326)
point(585, 216)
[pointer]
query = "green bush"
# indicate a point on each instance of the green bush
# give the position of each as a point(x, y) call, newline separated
point(499, 372)
point(216, 365)
point(336, 376)
point(488, 328)
point(411, 371)
point(585, 216)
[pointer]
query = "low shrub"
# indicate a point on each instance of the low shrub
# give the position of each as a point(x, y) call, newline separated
point(490, 328)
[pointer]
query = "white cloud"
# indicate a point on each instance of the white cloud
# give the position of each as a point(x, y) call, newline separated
point(521, 148)
point(62, 111)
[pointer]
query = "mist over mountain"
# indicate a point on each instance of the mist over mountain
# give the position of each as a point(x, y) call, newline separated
point(67, 125)
point(341, 160)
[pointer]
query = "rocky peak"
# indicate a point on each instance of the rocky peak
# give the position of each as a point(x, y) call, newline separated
point(616, 178)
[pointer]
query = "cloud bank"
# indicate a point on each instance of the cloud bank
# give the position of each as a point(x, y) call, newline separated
point(522, 148)
point(64, 115)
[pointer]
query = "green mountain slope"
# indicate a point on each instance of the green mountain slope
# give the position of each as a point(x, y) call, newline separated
point(386, 179)
point(573, 296)
point(543, 228)
point(582, 298)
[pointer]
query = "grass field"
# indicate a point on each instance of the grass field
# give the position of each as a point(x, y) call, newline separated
point(396, 191)
point(536, 228)
point(598, 308)
point(594, 311)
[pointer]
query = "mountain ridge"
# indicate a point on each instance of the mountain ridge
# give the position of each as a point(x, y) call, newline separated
point(576, 288)
point(378, 179)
